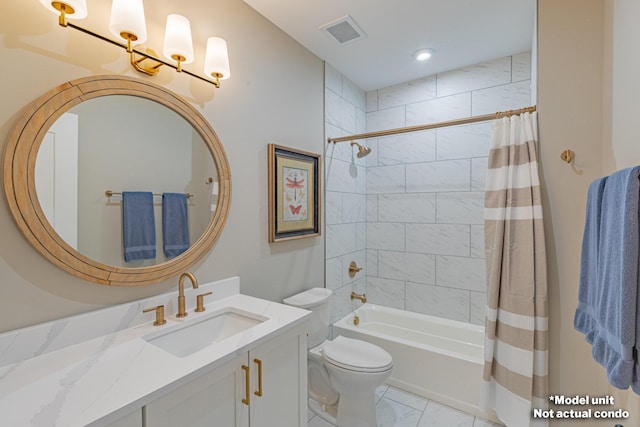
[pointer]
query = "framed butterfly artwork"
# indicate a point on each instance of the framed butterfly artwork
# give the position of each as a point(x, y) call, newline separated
point(294, 193)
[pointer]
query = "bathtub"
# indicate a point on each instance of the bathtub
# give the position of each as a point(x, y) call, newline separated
point(436, 358)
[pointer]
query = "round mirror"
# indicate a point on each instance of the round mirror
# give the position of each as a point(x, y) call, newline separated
point(82, 145)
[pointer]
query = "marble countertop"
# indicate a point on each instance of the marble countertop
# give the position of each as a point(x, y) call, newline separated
point(71, 372)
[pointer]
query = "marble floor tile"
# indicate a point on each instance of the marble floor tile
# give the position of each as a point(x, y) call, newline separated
point(406, 398)
point(390, 413)
point(398, 408)
point(437, 415)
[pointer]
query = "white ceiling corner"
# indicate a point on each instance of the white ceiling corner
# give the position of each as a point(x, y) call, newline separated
point(463, 32)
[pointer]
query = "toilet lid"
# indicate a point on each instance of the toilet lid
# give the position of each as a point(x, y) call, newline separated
point(356, 355)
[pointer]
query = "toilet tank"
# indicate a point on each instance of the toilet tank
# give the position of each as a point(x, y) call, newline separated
point(316, 300)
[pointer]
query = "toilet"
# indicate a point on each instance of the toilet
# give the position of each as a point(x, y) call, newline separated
point(343, 373)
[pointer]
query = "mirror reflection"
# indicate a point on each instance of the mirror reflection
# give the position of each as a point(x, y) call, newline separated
point(121, 143)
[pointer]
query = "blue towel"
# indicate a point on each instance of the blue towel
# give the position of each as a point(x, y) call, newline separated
point(175, 224)
point(584, 319)
point(612, 300)
point(138, 226)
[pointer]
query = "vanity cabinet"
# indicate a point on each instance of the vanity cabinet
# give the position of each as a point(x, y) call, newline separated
point(275, 372)
point(133, 419)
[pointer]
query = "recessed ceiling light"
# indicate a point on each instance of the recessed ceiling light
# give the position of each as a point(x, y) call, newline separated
point(423, 54)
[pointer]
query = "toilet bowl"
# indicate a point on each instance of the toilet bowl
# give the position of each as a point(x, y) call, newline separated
point(343, 373)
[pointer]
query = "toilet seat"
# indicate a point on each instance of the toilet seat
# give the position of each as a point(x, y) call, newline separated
point(356, 355)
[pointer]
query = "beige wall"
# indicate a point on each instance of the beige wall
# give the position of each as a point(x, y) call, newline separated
point(275, 94)
point(587, 102)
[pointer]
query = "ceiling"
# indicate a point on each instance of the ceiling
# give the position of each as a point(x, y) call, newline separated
point(462, 32)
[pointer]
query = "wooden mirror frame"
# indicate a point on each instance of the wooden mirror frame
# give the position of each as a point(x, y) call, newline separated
point(20, 190)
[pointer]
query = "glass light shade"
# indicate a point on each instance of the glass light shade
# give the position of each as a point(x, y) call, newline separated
point(79, 7)
point(127, 16)
point(177, 39)
point(217, 58)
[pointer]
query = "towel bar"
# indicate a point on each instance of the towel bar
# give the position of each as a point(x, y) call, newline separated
point(110, 193)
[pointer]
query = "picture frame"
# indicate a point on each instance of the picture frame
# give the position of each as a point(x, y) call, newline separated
point(294, 193)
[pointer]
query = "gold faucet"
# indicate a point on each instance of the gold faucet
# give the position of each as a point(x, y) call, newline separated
point(182, 312)
point(362, 297)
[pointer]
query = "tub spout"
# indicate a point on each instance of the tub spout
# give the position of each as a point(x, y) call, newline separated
point(362, 297)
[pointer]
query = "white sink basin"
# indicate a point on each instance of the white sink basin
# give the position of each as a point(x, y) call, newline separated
point(196, 334)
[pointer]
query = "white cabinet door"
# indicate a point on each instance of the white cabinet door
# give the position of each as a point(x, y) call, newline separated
point(134, 419)
point(213, 399)
point(265, 387)
point(282, 362)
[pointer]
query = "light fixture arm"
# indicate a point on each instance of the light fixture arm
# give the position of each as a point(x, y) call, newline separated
point(136, 62)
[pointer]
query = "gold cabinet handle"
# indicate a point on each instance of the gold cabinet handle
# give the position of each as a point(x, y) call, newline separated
point(247, 385)
point(259, 363)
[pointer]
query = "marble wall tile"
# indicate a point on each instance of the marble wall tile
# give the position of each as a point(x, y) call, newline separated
point(407, 207)
point(386, 179)
point(361, 236)
point(422, 89)
point(341, 303)
point(372, 158)
point(361, 121)
point(338, 176)
point(360, 258)
point(372, 262)
point(439, 239)
point(477, 241)
point(486, 74)
point(521, 67)
point(462, 142)
point(461, 273)
point(385, 235)
point(352, 93)
point(339, 112)
point(446, 175)
point(333, 207)
point(340, 239)
point(386, 119)
point(419, 268)
point(478, 173)
point(332, 79)
point(438, 110)
point(372, 101)
point(337, 151)
point(501, 98)
point(361, 179)
point(387, 292)
point(412, 147)
point(372, 207)
point(333, 273)
point(354, 207)
point(478, 307)
point(438, 301)
point(460, 208)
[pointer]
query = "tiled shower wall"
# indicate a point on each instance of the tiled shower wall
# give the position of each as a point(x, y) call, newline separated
point(415, 220)
point(345, 192)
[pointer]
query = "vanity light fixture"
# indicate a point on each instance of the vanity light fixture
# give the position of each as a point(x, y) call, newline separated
point(423, 54)
point(127, 22)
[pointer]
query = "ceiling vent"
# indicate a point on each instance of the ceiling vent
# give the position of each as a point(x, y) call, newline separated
point(344, 30)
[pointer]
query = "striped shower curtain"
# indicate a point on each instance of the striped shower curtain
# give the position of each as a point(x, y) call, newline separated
point(515, 367)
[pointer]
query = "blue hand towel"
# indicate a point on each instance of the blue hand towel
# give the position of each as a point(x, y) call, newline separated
point(175, 224)
point(138, 226)
point(585, 319)
point(615, 314)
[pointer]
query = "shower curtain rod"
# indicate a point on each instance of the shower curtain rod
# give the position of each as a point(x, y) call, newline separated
point(416, 128)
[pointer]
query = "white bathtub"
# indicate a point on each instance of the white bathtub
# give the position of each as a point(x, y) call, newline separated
point(436, 358)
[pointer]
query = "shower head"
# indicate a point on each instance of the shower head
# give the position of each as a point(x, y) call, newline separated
point(362, 150)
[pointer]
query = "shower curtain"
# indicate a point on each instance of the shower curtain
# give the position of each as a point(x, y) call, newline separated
point(515, 367)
